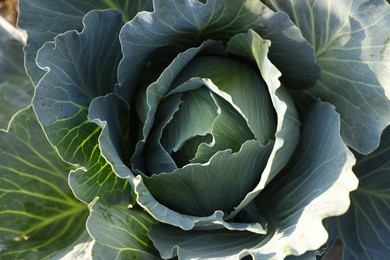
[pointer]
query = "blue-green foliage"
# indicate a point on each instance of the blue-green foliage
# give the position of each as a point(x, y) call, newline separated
point(195, 129)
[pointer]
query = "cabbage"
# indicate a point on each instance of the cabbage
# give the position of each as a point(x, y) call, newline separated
point(195, 130)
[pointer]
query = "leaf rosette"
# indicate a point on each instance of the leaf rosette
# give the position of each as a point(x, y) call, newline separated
point(206, 115)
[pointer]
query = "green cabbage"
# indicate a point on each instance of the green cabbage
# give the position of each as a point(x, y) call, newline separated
point(213, 129)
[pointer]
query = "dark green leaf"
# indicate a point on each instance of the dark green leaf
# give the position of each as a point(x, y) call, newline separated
point(365, 228)
point(315, 185)
point(98, 180)
point(15, 86)
point(148, 103)
point(80, 67)
point(180, 25)
point(43, 20)
point(39, 217)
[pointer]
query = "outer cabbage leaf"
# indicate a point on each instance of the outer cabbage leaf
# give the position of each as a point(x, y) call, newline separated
point(39, 217)
point(80, 251)
point(98, 180)
point(351, 43)
point(43, 20)
point(365, 228)
point(294, 203)
point(216, 244)
point(177, 25)
point(120, 232)
point(309, 255)
point(289, 51)
point(80, 67)
point(15, 86)
point(180, 25)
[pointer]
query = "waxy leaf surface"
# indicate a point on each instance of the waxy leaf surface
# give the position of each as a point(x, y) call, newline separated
point(120, 232)
point(351, 44)
point(44, 20)
point(39, 216)
point(294, 203)
point(80, 67)
point(365, 228)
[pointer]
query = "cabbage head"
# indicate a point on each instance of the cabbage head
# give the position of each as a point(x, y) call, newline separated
point(192, 129)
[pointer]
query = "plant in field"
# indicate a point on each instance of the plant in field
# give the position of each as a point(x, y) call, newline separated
point(195, 129)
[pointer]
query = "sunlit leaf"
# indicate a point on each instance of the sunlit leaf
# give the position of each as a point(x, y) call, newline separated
point(351, 43)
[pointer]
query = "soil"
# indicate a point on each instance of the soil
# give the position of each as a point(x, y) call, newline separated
point(9, 10)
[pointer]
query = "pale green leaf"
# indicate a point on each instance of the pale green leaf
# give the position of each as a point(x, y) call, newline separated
point(230, 131)
point(158, 159)
point(315, 185)
point(351, 43)
point(120, 232)
point(289, 51)
point(216, 244)
point(287, 127)
point(245, 86)
point(195, 117)
point(253, 48)
point(220, 184)
point(287, 131)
